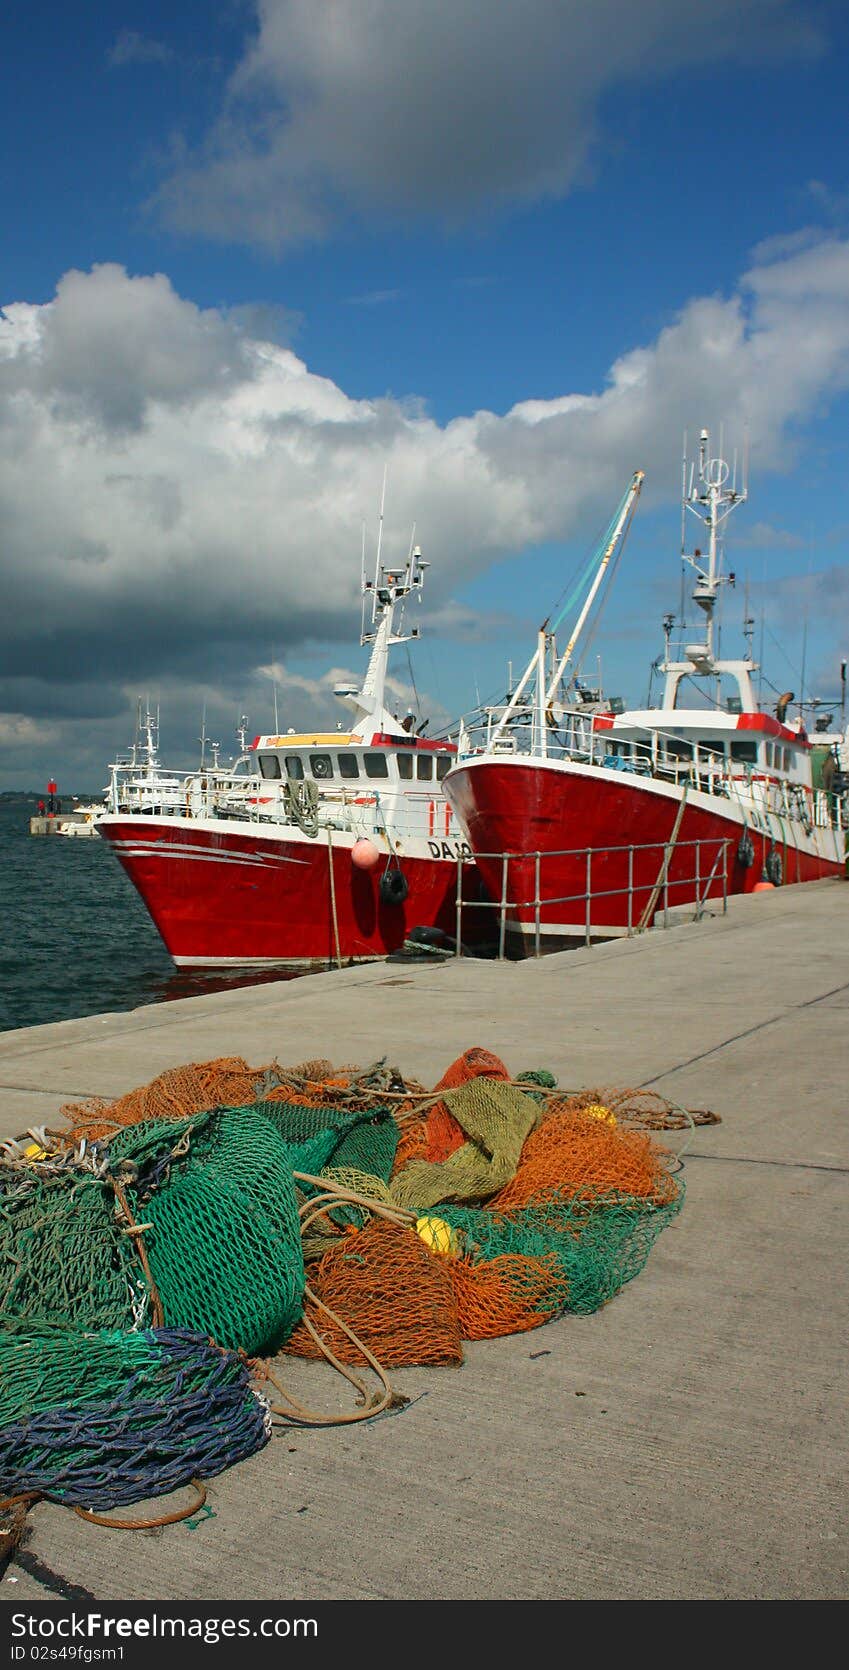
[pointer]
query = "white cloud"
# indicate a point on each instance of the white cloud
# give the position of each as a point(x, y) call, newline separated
point(17, 730)
point(182, 502)
point(763, 536)
point(777, 248)
point(449, 108)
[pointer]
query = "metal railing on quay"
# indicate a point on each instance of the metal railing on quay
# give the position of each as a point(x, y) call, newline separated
point(705, 878)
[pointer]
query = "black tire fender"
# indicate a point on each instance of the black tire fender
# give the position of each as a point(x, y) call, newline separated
point(774, 868)
point(746, 850)
point(393, 887)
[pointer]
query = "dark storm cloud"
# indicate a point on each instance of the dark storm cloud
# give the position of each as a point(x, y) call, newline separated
point(204, 518)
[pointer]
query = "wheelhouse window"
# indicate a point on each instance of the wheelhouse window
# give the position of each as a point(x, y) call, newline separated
point(405, 765)
point(294, 767)
point(376, 765)
point(269, 765)
point(746, 752)
point(444, 763)
point(677, 749)
point(424, 767)
point(348, 766)
point(321, 765)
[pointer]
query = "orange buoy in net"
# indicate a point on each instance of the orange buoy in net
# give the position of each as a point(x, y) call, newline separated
point(364, 855)
point(763, 886)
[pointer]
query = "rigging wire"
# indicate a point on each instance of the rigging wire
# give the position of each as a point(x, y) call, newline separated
point(592, 630)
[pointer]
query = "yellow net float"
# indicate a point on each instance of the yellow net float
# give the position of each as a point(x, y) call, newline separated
point(597, 1111)
point(438, 1235)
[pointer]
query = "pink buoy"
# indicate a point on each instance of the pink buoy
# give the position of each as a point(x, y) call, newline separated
point(364, 855)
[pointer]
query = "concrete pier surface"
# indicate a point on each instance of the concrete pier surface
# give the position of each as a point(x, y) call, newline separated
point(687, 1441)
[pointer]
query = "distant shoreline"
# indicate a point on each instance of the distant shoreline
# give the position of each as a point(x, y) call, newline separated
point(27, 797)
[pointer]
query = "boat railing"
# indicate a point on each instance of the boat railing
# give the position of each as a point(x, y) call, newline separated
point(358, 809)
point(709, 771)
point(556, 733)
point(361, 809)
point(701, 878)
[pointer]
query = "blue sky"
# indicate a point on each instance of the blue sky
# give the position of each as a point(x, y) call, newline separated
point(253, 254)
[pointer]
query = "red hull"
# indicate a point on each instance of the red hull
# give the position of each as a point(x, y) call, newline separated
point(218, 896)
point(525, 808)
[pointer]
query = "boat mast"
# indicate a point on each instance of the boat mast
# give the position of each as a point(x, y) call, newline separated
point(710, 493)
point(547, 687)
point(389, 589)
point(629, 505)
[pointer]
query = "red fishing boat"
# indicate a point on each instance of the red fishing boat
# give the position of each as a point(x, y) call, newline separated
point(313, 849)
point(586, 820)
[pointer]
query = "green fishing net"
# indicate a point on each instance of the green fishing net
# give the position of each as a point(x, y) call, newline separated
point(63, 1255)
point(594, 1244)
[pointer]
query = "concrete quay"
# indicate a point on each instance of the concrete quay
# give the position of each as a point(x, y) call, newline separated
point(686, 1442)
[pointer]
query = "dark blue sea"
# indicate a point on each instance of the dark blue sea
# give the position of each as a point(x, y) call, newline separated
point(75, 938)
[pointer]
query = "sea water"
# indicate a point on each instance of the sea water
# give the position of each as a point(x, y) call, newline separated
point(75, 938)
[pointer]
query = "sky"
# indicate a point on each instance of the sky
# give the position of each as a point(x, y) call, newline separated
point(259, 256)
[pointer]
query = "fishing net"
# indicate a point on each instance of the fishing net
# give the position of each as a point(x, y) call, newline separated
point(562, 1255)
point(183, 1207)
point(107, 1418)
point(224, 1243)
point(63, 1255)
point(571, 1151)
point(495, 1118)
point(508, 1294)
point(508, 1273)
point(206, 1226)
point(319, 1135)
point(228, 1081)
point(349, 1086)
point(578, 1207)
point(412, 1142)
point(391, 1292)
point(331, 1140)
point(445, 1134)
point(538, 1081)
point(225, 1082)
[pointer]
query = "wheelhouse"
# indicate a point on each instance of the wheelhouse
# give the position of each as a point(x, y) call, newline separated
point(341, 762)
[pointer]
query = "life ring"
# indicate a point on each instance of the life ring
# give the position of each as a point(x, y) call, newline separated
point(393, 887)
point(746, 850)
point(774, 868)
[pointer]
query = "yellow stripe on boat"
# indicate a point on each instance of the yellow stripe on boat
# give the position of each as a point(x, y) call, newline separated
point(313, 739)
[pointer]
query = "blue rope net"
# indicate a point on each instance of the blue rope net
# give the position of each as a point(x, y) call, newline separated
point(105, 1419)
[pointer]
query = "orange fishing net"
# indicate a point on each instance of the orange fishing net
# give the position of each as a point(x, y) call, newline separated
point(227, 1081)
point(570, 1153)
point(508, 1294)
point(412, 1143)
point(395, 1295)
point(309, 1092)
